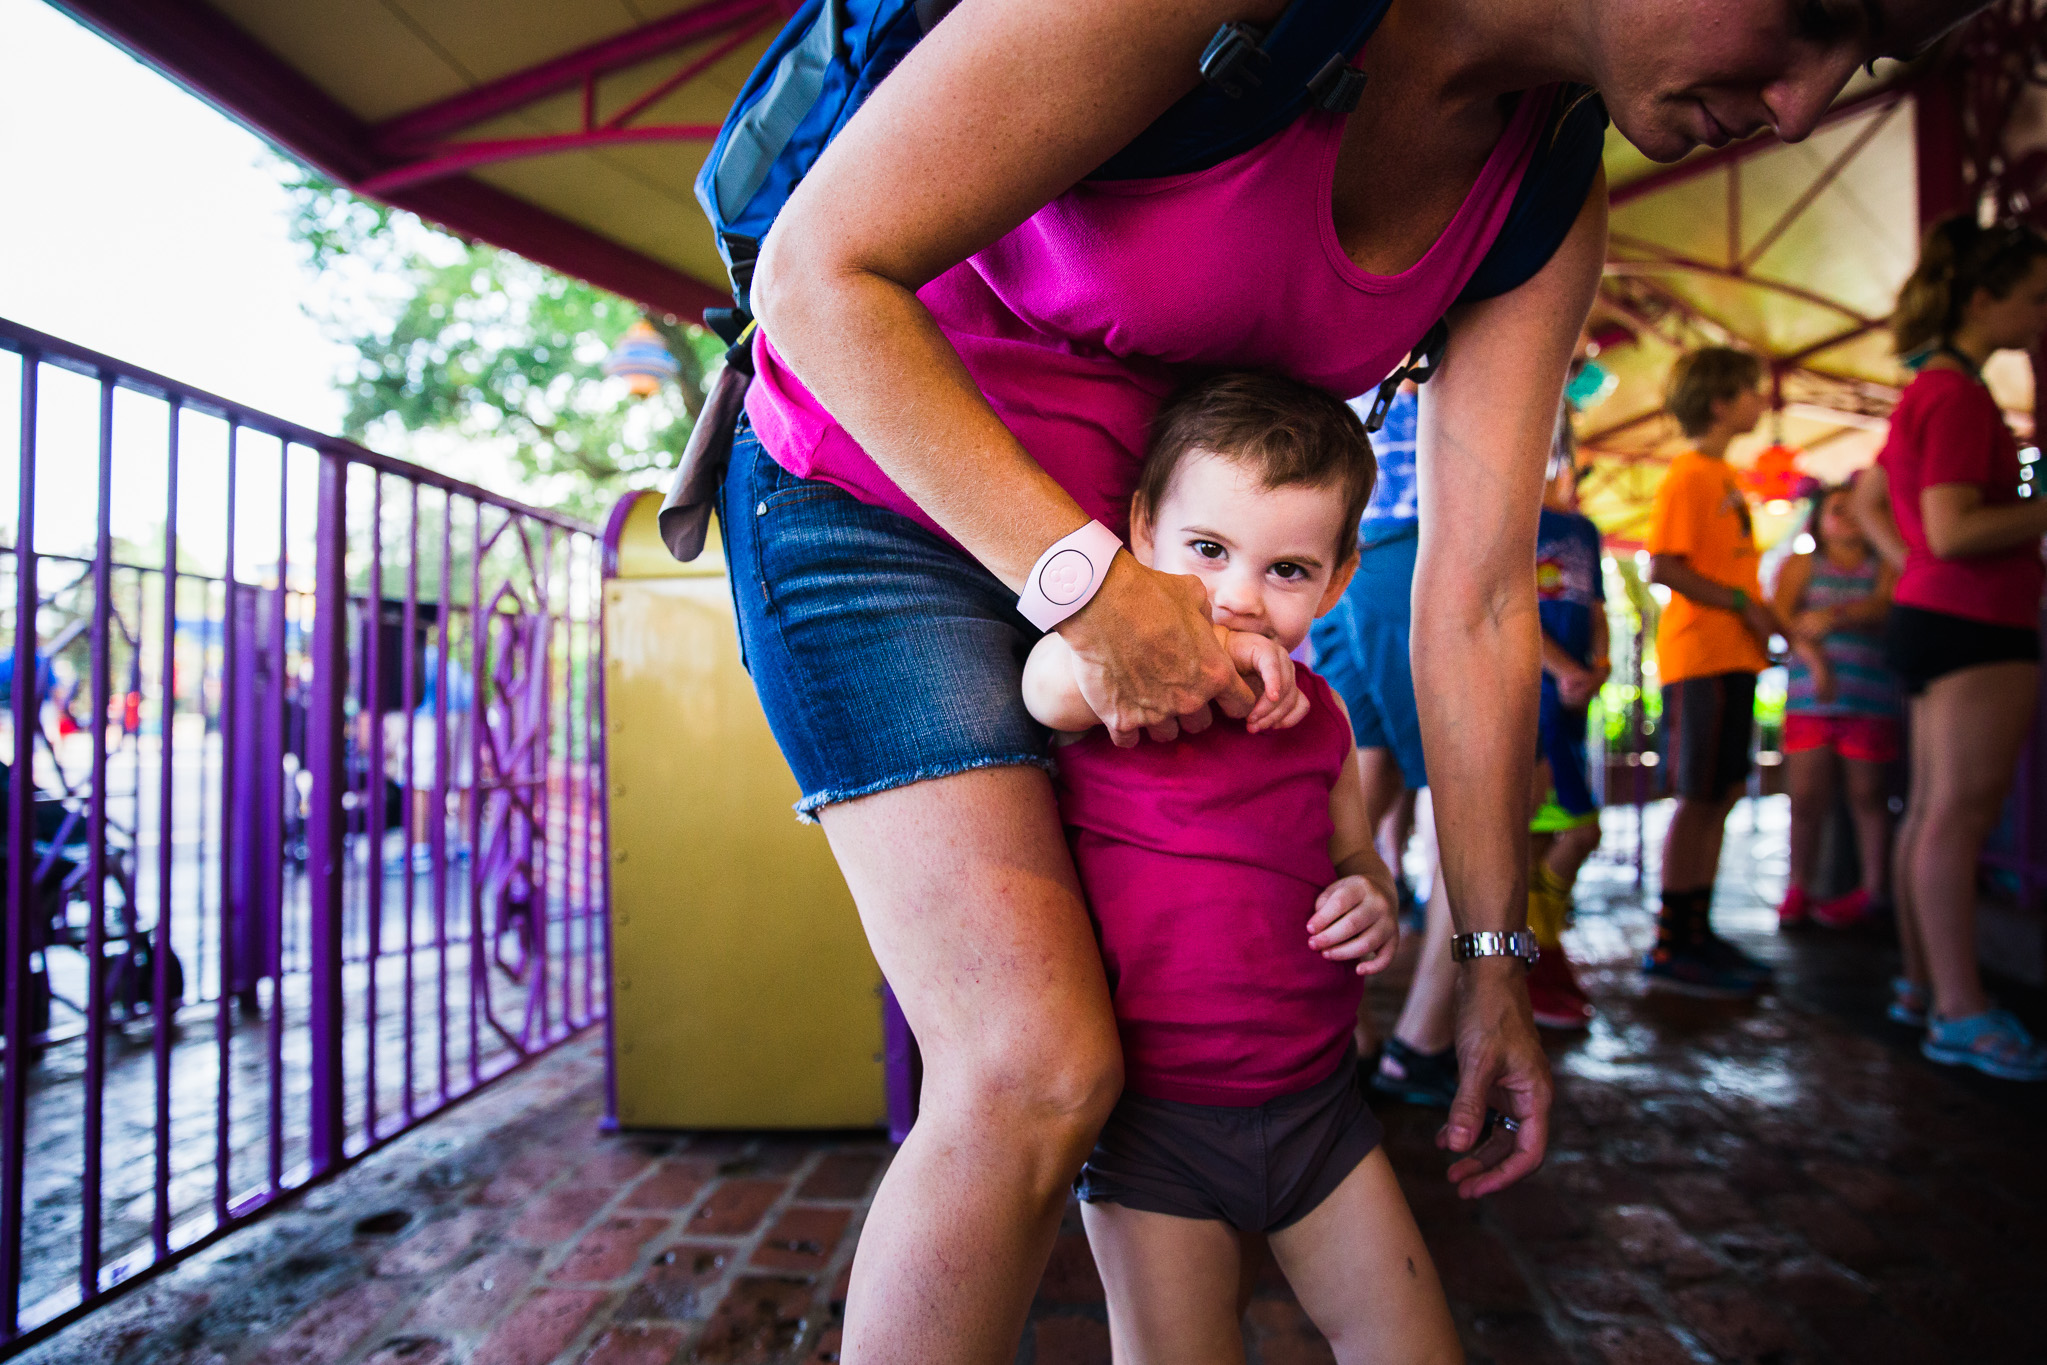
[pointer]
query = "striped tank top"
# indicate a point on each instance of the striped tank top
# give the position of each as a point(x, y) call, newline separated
point(1863, 686)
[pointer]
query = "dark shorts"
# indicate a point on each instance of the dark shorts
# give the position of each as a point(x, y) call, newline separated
point(1257, 1169)
point(1922, 645)
point(1707, 725)
point(882, 655)
point(1561, 740)
point(1361, 648)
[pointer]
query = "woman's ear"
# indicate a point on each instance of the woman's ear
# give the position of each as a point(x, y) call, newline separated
point(1338, 582)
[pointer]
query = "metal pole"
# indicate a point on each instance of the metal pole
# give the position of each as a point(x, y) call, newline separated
point(326, 835)
point(98, 1006)
point(21, 860)
point(166, 797)
point(230, 646)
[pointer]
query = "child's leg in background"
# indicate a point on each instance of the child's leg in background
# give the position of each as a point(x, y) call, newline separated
point(1360, 1269)
point(1869, 801)
point(1809, 773)
point(1171, 1283)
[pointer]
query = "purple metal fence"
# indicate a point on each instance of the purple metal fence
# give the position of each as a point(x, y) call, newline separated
point(304, 803)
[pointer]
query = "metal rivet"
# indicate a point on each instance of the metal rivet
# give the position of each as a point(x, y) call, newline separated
point(618, 855)
point(760, 509)
point(625, 983)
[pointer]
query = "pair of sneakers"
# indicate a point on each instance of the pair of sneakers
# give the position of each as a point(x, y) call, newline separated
point(1836, 912)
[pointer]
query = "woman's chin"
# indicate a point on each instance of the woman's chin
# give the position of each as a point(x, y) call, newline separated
point(1658, 138)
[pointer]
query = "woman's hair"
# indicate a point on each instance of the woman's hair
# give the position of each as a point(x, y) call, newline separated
point(1959, 257)
point(1709, 375)
point(1291, 433)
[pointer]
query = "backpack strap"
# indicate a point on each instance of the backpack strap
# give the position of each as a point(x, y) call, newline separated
point(1254, 83)
point(1551, 194)
point(1420, 366)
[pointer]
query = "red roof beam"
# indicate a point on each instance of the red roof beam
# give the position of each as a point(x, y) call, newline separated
point(462, 156)
point(429, 123)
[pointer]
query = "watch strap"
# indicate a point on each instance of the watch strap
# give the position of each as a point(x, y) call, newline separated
point(1520, 943)
point(1067, 576)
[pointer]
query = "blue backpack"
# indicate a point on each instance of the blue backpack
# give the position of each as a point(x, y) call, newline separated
point(833, 53)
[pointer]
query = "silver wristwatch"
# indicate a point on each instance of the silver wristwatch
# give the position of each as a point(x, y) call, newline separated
point(1520, 943)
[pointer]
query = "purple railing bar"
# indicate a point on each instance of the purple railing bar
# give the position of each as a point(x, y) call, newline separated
point(544, 804)
point(326, 827)
point(479, 936)
point(160, 1036)
point(97, 1004)
point(373, 793)
point(591, 792)
point(280, 716)
point(437, 802)
point(408, 688)
point(21, 860)
point(81, 360)
point(223, 1151)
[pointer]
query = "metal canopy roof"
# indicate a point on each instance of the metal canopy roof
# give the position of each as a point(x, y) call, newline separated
point(571, 133)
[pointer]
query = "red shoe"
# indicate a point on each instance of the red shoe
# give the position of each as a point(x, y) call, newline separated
point(1843, 912)
point(1794, 909)
point(1553, 991)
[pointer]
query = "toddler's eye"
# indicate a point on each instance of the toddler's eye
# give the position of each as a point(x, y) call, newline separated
point(1208, 549)
point(1289, 573)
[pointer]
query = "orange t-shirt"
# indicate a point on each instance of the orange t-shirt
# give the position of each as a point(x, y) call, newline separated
point(1702, 515)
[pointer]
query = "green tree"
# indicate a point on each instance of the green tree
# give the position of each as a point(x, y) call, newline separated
point(459, 337)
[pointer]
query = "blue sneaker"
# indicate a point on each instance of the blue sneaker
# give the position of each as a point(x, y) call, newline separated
point(1994, 1042)
point(1695, 971)
point(1733, 959)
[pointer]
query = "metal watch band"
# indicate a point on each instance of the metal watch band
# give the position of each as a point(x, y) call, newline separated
point(1066, 576)
point(1520, 943)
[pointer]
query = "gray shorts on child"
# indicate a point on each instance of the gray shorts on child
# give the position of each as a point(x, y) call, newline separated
point(1258, 1169)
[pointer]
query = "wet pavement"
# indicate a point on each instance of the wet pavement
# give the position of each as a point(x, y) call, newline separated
point(1786, 1181)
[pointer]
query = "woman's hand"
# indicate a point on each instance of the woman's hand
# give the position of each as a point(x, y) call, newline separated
point(1147, 658)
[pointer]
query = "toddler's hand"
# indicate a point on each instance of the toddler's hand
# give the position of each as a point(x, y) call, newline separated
point(1356, 920)
point(1281, 704)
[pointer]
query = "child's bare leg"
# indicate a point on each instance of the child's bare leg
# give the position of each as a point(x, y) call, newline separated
point(1171, 1284)
point(1359, 1268)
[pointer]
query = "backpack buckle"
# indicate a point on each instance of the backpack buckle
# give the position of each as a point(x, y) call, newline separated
point(1337, 87)
point(1234, 62)
point(1421, 366)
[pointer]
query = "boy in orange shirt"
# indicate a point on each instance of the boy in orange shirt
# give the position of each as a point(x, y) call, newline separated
point(1711, 643)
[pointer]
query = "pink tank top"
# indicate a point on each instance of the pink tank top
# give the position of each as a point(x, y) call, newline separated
point(1072, 322)
point(1201, 860)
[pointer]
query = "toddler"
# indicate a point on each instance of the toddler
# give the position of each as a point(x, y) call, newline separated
point(1239, 902)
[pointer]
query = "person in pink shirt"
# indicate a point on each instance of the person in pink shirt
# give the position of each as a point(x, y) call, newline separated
point(1945, 505)
point(1239, 903)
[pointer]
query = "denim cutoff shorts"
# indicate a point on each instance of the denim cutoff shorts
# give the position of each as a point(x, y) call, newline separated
point(882, 654)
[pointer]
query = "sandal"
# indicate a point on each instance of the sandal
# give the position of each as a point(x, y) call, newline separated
point(1994, 1042)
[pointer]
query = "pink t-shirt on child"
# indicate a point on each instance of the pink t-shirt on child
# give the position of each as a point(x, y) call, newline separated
point(1202, 860)
point(1073, 322)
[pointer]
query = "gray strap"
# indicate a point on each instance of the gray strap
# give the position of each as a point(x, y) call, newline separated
point(761, 133)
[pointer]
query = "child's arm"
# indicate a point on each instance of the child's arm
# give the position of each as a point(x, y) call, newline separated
point(1356, 917)
point(1052, 694)
point(1870, 611)
point(1810, 653)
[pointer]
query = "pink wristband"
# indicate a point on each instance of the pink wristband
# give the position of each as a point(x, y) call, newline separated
point(1067, 575)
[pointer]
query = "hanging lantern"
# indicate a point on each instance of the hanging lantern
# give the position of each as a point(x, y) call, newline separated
point(642, 359)
point(1775, 476)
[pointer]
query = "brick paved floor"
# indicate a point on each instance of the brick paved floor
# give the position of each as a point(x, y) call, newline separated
point(1782, 1182)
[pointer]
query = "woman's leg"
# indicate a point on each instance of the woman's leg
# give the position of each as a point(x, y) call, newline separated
point(1810, 775)
point(1911, 944)
point(1172, 1286)
point(1869, 801)
point(1428, 1017)
point(971, 904)
point(1975, 724)
point(1360, 1269)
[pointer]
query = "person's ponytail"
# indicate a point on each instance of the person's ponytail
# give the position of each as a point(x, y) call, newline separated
point(1959, 257)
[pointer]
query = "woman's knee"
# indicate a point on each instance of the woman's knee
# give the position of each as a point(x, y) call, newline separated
point(1057, 1088)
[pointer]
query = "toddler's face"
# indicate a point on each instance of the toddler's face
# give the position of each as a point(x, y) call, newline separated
point(1266, 555)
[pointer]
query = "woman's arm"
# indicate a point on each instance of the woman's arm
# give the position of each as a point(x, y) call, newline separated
point(1487, 423)
point(1872, 503)
point(1959, 526)
point(1004, 106)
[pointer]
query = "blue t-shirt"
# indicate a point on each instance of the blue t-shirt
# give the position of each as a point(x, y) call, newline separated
point(1392, 511)
point(1569, 585)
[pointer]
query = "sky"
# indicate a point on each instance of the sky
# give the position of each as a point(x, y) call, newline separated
point(137, 220)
